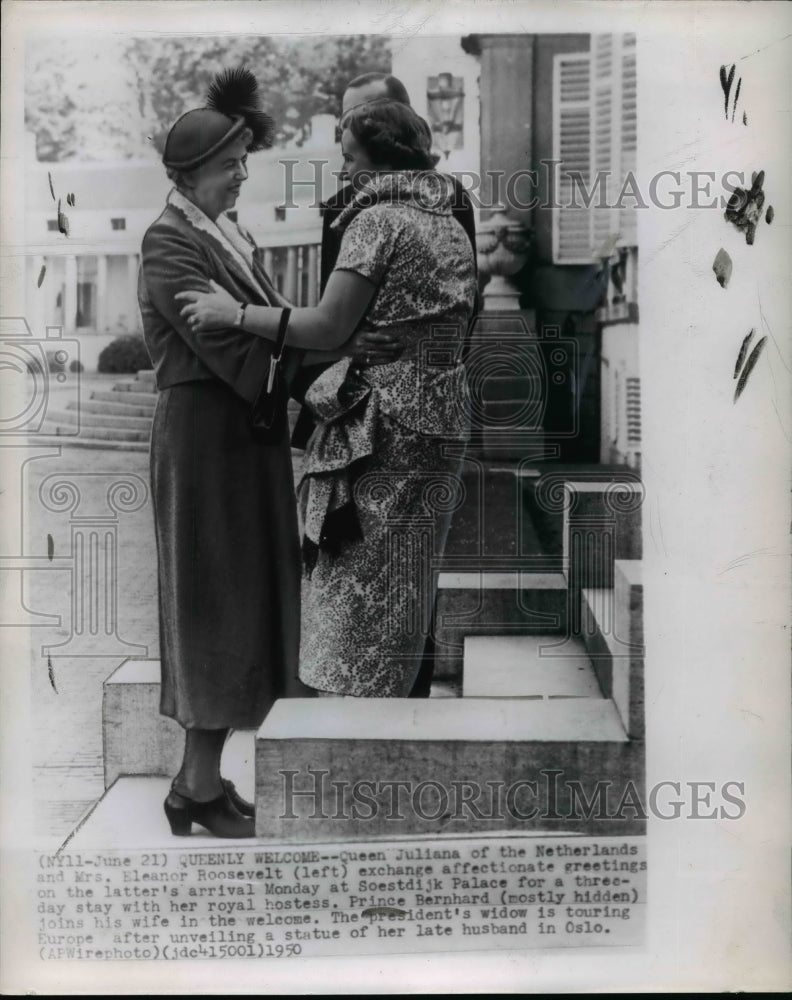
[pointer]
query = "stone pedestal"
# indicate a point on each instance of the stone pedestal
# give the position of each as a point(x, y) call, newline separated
point(612, 631)
point(602, 523)
point(367, 768)
point(628, 662)
point(526, 666)
point(492, 603)
point(507, 380)
point(137, 739)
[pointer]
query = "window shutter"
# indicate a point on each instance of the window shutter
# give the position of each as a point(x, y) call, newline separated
point(614, 135)
point(629, 135)
point(571, 152)
point(595, 135)
point(605, 127)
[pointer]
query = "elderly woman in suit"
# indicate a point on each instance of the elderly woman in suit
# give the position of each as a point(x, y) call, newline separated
point(381, 468)
point(221, 473)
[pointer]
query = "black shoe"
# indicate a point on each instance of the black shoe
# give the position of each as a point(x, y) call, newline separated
point(241, 805)
point(218, 816)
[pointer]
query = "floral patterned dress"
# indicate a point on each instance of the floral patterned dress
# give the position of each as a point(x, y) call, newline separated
point(381, 477)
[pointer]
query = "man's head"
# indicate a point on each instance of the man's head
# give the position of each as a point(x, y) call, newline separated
point(372, 87)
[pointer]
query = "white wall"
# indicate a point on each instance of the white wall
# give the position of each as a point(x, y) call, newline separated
point(415, 60)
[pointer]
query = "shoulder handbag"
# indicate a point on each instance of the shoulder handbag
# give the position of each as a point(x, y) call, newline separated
point(269, 408)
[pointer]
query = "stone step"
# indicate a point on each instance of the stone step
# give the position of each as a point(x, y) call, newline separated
point(529, 666)
point(328, 771)
point(141, 399)
point(140, 741)
point(491, 521)
point(77, 417)
point(469, 720)
point(142, 386)
point(612, 632)
point(129, 816)
point(74, 441)
point(115, 405)
point(102, 433)
point(489, 602)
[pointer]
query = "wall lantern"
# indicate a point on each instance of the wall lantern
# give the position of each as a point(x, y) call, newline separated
point(445, 97)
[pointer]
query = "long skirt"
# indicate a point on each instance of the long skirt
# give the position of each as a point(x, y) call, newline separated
point(228, 557)
point(367, 609)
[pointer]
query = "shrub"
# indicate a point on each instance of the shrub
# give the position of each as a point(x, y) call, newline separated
point(76, 366)
point(125, 355)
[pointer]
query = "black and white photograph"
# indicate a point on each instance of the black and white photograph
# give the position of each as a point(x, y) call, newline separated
point(395, 507)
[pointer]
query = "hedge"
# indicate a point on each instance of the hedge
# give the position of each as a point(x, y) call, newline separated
point(125, 355)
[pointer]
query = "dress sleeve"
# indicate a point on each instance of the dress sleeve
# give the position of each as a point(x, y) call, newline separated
point(369, 243)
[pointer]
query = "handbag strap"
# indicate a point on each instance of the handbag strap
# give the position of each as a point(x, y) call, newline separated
point(282, 327)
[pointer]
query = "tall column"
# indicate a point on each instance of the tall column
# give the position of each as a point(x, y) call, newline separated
point(506, 369)
point(36, 298)
point(133, 310)
point(313, 275)
point(70, 295)
point(290, 290)
point(302, 257)
point(101, 293)
point(268, 262)
point(507, 86)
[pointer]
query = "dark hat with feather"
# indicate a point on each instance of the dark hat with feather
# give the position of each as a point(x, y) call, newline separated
point(232, 105)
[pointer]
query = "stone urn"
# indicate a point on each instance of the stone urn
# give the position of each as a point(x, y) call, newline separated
point(503, 247)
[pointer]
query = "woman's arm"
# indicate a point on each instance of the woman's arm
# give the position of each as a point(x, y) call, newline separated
point(323, 327)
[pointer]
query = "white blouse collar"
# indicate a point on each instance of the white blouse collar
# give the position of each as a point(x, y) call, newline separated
point(223, 231)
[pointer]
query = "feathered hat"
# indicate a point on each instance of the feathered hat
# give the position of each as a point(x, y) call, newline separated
point(232, 105)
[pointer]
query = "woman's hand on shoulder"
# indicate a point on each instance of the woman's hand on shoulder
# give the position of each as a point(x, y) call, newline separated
point(209, 310)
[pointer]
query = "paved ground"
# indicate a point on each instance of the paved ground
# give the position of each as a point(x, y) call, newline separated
point(67, 689)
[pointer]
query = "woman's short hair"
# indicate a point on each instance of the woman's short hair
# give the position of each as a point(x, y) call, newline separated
point(392, 134)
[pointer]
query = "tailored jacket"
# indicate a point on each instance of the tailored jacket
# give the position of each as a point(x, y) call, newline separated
point(182, 253)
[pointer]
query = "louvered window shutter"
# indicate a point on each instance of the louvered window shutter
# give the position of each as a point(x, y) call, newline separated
point(614, 135)
point(594, 135)
point(605, 127)
point(628, 102)
point(571, 153)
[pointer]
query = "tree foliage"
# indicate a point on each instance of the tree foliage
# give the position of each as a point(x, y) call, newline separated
point(120, 101)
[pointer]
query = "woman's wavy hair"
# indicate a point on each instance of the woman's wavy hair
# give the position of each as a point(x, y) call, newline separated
point(392, 134)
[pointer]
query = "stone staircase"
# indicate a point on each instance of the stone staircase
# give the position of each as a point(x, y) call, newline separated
point(543, 640)
point(118, 418)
